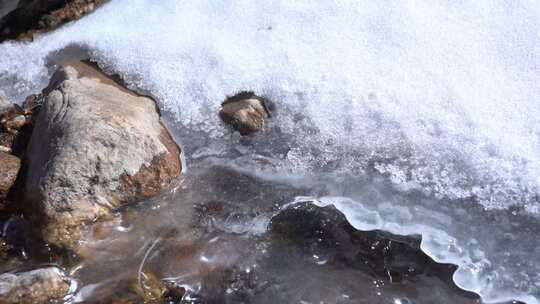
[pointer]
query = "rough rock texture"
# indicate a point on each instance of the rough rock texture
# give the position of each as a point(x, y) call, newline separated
point(9, 168)
point(73, 10)
point(45, 285)
point(16, 125)
point(325, 229)
point(21, 19)
point(96, 146)
point(6, 142)
point(25, 15)
point(245, 112)
point(3, 104)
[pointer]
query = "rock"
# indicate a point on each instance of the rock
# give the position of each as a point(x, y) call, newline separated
point(43, 285)
point(24, 16)
point(7, 6)
point(96, 146)
point(21, 19)
point(4, 104)
point(8, 174)
point(325, 229)
point(6, 142)
point(15, 123)
point(245, 112)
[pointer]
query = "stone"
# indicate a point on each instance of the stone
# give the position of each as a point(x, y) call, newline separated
point(95, 147)
point(6, 142)
point(245, 112)
point(325, 229)
point(4, 104)
point(23, 17)
point(15, 123)
point(20, 19)
point(8, 174)
point(7, 6)
point(44, 285)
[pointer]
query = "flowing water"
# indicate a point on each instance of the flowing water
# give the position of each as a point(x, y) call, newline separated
point(416, 118)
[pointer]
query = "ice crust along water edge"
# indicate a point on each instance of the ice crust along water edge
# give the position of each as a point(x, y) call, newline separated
point(440, 97)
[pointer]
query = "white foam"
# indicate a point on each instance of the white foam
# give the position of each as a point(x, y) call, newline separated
point(438, 96)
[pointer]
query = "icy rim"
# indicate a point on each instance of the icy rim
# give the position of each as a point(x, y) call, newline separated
point(438, 97)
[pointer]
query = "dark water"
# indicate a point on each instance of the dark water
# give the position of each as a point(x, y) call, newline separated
point(225, 237)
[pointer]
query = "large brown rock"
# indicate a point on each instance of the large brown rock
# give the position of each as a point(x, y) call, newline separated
point(95, 146)
point(45, 285)
point(9, 168)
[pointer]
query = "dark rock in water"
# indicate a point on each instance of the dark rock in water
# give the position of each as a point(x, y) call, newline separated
point(45, 285)
point(14, 123)
point(72, 10)
point(7, 141)
point(325, 229)
point(25, 16)
point(173, 293)
point(10, 166)
point(21, 18)
point(15, 231)
point(20, 242)
point(7, 6)
point(245, 112)
point(96, 146)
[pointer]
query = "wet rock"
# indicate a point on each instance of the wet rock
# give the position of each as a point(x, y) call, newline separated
point(15, 117)
point(7, 6)
point(16, 125)
point(4, 104)
point(324, 231)
point(7, 259)
point(173, 293)
point(45, 285)
point(96, 146)
point(245, 112)
point(6, 142)
point(73, 10)
point(21, 19)
point(10, 166)
point(31, 105)
point(25, 15)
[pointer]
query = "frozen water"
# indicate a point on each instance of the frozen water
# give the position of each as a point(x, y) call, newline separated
point(439, 97)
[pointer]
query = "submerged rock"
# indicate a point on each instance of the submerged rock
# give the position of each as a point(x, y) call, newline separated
point(325, 229)
point(245, 112)
point(96, 146)
point(45, 285)
point(10, 166)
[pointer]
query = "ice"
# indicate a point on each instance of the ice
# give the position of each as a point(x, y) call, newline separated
point(485, 264)
point(439, 97)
